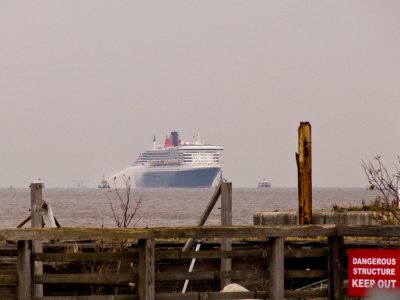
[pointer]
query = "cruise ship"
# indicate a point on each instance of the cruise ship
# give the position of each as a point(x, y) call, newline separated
point(176, 164)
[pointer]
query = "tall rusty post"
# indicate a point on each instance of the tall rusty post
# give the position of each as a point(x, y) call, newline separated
point(303, 159)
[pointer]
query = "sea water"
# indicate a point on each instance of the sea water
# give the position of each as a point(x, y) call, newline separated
point(167, 206)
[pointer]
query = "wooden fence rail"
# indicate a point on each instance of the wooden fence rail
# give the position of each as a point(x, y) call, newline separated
point(143, 277)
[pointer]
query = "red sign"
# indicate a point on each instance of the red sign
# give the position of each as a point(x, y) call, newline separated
point(373, 268)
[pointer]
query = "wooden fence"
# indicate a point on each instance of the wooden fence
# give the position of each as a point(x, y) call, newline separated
point(144, 278)
point(96, 263)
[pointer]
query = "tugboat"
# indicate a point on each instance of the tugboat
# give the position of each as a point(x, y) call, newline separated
point(104, 184)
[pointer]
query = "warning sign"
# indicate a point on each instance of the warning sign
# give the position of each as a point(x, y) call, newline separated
point(373, 268)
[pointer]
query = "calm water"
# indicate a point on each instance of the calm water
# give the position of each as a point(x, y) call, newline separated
point(167, 207)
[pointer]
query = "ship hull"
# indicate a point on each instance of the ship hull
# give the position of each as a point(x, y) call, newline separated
point(186, 178)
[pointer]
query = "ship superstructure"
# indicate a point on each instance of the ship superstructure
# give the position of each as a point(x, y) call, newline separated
point(177, 164)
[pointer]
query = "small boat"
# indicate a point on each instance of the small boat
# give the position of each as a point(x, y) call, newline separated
point(264, 184)
point(104, 184)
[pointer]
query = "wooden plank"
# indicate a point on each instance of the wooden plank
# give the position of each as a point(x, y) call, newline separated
point(226, 220)
point(96, 297)
point(208, 275)
point(77, 233)
point(209, 254)
point(161, 296)
point(178, 296)
point(207, 295)
point(306, 294)
point(146, 288)
point(172, 255)
point(206, 213)
point(211, 204)
point(8, 279)
point(306, 273)
point(276, 268)
point(304, 174)
point(336, 268)
point(160, 255)
point(368, 230)
point(24, 288)
point(74, 257)
point(104, 279)
point(302, 253)
point(8, 292)
point(124, 278)
point(37, 222)
point(310, 294)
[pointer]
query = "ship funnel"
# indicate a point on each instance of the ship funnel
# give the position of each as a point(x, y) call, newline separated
point(175, 138)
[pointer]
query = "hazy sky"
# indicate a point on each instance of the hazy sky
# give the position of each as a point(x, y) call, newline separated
point(84, 86)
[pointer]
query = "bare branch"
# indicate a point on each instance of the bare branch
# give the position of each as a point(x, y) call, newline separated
point(380, 179)
point(127, 210)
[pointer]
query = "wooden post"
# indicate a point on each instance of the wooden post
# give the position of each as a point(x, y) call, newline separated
point(276, 247)
point(335, 267)
point(146, 289)
point(303, 158)
point(37, 246)
point(203, 218)
point(24, 287)
point(226, 220)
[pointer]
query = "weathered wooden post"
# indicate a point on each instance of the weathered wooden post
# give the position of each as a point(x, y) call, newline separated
point(146, 289)
point(276, 280)
point(37, 246)
point(226, 220)
point(303, 159)
point(24, 287)
point(335, 267)
point(214, 198)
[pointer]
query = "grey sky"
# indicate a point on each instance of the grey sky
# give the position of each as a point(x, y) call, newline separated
point(84, 86)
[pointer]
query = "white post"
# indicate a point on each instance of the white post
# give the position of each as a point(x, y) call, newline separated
point(190, 269)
